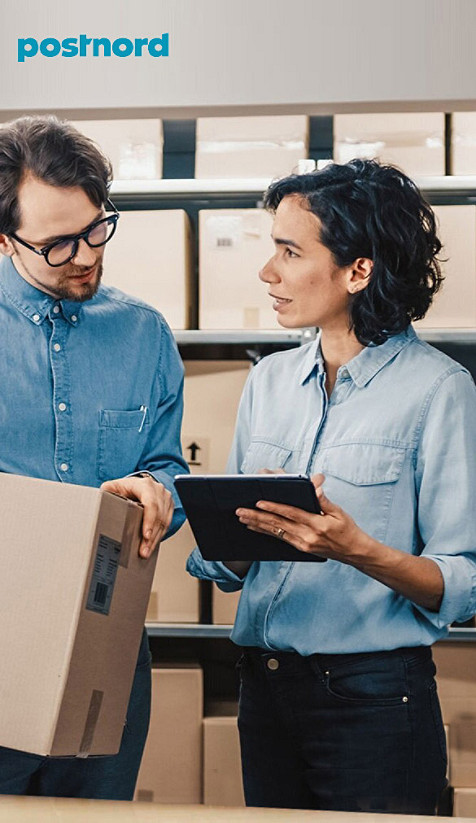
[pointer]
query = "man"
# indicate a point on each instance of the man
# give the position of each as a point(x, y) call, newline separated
point(338, 703)
point(91, 386)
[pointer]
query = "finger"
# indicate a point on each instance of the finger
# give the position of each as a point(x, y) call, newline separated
point(291, 513)
point(271, 471)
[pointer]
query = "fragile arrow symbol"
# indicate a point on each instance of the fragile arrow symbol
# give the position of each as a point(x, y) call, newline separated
point(193, 448)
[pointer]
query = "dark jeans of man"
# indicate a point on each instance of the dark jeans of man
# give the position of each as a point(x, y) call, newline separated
point(104, 778)
point(347, 732)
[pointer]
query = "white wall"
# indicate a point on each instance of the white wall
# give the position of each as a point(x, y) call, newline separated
point(311, 55)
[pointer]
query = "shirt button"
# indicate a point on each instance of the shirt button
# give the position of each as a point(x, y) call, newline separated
point(272, 664)
point(56, 309)
point(74, 318)
point(62, 406)
point(36, 317)
point(64, 467)
point(57, 347)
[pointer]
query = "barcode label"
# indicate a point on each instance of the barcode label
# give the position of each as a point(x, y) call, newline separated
point(103, 578)
point(224, 242)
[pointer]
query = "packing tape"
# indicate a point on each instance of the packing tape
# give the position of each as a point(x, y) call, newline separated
point(91, 723)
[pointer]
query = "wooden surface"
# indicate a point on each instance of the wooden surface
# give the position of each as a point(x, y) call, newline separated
point(60, 810)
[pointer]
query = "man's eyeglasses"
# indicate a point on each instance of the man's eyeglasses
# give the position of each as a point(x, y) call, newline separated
point(63, 250)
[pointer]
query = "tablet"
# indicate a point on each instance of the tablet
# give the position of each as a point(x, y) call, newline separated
point(210, 502)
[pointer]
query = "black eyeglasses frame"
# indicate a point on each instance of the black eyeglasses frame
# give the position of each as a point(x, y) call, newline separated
point(75, 238)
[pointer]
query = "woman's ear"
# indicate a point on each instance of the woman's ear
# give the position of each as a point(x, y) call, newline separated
point(359, 274)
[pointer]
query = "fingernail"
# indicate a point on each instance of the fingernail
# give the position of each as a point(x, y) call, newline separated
point(239, 511)
point(148, 534)
point(261, 505)
point(145, 551)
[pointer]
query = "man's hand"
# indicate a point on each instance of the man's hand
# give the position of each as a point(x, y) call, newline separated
point(158, 507)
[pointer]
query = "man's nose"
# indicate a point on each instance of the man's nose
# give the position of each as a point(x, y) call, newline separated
point(85, 255)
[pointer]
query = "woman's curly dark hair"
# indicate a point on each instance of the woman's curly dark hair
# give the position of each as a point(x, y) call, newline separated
point(367, 209)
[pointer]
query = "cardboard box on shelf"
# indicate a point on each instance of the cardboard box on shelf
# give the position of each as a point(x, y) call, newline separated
point(175, 594)
point(463, 143)
point(134, 147)
point(171, 768)
point(256, 147)
point(456, 679)
point(224, 606)
point(211, 396)
point(150, 257)
point(464, 803)
point(414, 142)
point(234, 244)
point(455, 305)
point(74, 596)
point(222, 781)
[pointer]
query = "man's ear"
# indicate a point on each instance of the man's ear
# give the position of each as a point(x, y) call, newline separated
point(6, 246)
point(359, 274)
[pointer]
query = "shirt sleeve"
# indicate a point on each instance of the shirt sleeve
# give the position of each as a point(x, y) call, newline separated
point(446, 484)
point(162, 456)
point(227, 580)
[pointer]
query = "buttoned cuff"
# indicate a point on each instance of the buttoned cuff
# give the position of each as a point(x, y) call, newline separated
point(214, 570)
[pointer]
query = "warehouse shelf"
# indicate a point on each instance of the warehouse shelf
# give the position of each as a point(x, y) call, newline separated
point(454, 184)
point(243, 337)
point(200, 630)
point(447, 335)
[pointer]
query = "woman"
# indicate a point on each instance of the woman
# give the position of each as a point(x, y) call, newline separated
point(338, 705)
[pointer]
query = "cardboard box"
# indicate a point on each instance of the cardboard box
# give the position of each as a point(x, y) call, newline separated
point(413, 142)
point(464, 803)
point(134, 147)
point(456, 679)
point(150, 257)
point(463, 143)
point(224, 606)
point(222, 781)
point(250, 146)
point(171, 768)
point(73, 599)
point(234, 244)
point(455, 304)
point(211, 397)
point(175, 595)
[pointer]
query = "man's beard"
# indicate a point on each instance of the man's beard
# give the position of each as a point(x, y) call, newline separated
point(66, 290)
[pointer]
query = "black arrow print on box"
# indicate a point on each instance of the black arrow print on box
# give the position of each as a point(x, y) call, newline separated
point(193, 449)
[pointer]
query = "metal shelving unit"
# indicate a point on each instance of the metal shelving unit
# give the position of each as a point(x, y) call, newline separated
point(201, 630)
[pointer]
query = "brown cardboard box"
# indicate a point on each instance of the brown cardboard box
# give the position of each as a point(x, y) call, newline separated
point(175, 594)
point(224, 606)
point(413, 142)
point(463, 143)
point(259, 147)
point(171, 769)
point(222, 781)
point(74, 596)
point(456, 679)
point(134, 147)
point(464, 803)
point(234, 244)
point(455, 305)
point(150, 257)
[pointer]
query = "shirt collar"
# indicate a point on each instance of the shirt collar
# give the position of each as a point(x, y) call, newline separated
point(365, 365)
point(34, 304)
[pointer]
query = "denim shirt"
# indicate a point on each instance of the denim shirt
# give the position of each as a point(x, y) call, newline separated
point(90, 391)
point(396, 442)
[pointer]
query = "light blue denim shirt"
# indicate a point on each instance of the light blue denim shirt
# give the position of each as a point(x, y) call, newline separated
point(396, 442)
point(90, 391)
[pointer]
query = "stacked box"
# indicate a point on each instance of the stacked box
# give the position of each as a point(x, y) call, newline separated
point(175, 594)
point(134, 147)
point(455, 305)
point(456, 679)
point(222, 781)
point(150, 257)
point(171, 768)
point(256, 147)
point(224, 606)
point(463, 143)
point(234, 245)
point(413, 142)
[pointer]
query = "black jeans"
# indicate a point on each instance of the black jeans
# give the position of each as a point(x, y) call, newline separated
point(349, 732)
point(103, 778)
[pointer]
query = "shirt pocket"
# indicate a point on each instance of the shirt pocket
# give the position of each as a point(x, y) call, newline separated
point(121, 440)
point(262, 454)
point(361, 478)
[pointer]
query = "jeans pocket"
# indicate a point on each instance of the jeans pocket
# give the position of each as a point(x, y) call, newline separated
point(373, 680)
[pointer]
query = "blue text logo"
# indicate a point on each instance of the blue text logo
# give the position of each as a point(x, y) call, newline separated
point(84, 46)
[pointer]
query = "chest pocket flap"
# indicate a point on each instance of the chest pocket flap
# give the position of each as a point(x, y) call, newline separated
point(364, 464)
point(262, 455)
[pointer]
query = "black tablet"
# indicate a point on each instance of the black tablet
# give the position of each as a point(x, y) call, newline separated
point(210, 502)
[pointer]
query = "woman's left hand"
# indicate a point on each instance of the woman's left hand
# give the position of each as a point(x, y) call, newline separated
point(332, 533)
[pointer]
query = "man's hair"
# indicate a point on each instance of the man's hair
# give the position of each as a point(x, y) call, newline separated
point(371, 210)
point(56, 153)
